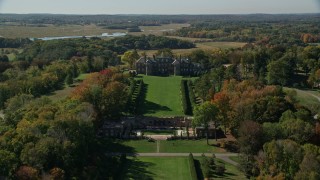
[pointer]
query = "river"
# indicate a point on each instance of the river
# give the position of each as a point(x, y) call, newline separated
point(117, 34)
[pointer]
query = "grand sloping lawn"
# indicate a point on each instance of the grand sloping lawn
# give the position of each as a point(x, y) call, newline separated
point(172, 146)
point(189, 146)
point(157, 168)
point(307, 98)
point(163, 96)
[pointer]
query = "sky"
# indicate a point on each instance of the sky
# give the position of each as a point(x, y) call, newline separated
point(159, 6)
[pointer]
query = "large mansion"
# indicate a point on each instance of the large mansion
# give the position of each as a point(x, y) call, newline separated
point(165, 66)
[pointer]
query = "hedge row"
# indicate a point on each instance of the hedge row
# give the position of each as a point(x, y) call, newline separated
point(186, 105)
point(130, 96)
point(192, 168)
point(139, 96)
point(191, 94)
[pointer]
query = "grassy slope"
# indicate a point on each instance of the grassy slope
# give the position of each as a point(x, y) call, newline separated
point(67, 90)
point(306, 97)
point(142, 146)
point(163, 96)
point(173, 146)
point(187, 146)
point(157, 168)
point(170, 168)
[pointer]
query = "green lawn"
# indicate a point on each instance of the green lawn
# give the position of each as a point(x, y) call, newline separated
point(141, 146)
point(307, 98)
point(66, 90)
point(162, 168)
point(172, 146)
point(82, 76)
point(163, 96)
point(235, 158)
point(62, 93)
point(187, 146)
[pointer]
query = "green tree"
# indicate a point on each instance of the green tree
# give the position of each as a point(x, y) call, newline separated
point(281, 156)
point(130, 57)
point(164, 52)
point(250, 140)
point(279, 73)
point(204, 114)
point(200, 56)
point(297, 130)
point(8, 163)
point(69, 80)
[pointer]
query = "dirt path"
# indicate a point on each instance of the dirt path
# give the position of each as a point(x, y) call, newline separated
point(158, 146)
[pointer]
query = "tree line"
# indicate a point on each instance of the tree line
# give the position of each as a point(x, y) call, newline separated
point(63, 134)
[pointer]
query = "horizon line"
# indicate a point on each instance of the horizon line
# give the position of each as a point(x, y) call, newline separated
point(131, 14)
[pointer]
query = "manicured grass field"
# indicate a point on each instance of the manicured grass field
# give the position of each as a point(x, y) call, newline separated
point(172, 146)
point(163, 96)
point(162, 168)
point(141, 146)
point(187, 146)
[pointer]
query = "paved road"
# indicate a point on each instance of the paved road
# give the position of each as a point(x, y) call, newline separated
point(224, 156)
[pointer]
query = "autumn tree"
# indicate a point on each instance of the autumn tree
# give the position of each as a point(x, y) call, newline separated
point(221, 100)
point(250, 140)
point(280, 157)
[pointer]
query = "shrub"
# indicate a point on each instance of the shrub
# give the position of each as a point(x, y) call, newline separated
point(192, 167)
point(130, 96)
point(205, 166)
point(220, 169)
point(140, 96)
point(185, 98)
point(192, 97)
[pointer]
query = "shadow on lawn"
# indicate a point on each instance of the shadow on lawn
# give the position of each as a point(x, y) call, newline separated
point(135, 169)
point(111, 145)
point(149, 107)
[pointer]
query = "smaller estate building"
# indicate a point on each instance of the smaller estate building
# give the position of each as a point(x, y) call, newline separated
point(165, 66)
